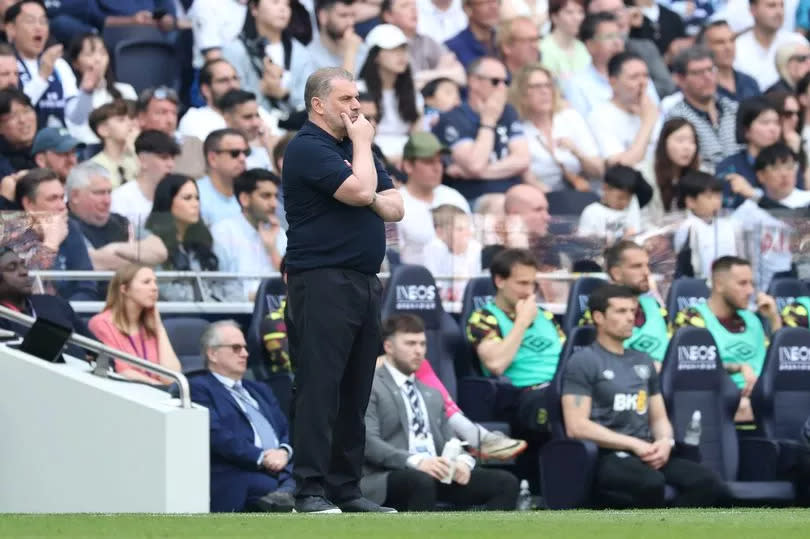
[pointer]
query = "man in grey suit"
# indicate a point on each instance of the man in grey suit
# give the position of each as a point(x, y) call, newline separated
point(406, 430)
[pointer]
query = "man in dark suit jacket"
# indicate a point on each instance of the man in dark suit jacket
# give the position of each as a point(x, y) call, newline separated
point(406, 430)
point(251, 459)
point(15, 293)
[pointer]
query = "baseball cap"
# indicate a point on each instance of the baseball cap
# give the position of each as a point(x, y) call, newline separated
point(55, 139)
point(421, 145)
point(386, 36)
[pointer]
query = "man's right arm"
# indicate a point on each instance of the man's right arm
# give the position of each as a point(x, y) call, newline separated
point(497, 353)
point(359, 188)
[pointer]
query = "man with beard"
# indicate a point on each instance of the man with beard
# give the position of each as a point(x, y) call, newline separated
point(336, 43)
point(628, 264)
point(741, 339)
point(251, 242)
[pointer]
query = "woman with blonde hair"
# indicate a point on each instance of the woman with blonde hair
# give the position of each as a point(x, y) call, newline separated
point(792, 63)
point(131, 323)
point(562, 148)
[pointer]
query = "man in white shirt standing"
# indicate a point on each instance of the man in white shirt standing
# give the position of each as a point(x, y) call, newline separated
point(45, 77)
point(623, 127)
point(424, 191)
point(156, 152)
point(253, 241)
point(756, 48)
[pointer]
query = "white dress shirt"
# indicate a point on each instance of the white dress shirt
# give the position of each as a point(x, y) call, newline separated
point(755, 60)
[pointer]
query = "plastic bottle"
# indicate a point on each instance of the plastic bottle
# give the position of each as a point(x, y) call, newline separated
point(524, 501)
point(451, 451)
point(692, 436)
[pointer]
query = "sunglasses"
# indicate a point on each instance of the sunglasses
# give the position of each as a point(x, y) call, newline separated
point(235, 348)
point(235, 152)
point(160, 93)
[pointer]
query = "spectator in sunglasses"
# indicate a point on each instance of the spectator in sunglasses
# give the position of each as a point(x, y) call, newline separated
point(226, 151)
point(485, 136)
point(156, 108)
point(130, 322)
point(792, 63)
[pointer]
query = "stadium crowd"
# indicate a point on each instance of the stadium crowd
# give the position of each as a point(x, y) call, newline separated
point(524, 137)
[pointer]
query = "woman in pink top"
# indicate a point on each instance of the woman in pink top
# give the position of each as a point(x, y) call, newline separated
point(130, 322)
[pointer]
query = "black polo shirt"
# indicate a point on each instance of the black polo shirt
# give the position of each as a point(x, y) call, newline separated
point(325, 232)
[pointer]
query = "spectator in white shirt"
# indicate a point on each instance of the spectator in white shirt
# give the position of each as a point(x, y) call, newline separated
point(251, 242)
point(453, 253)
point(215, 23)
point(624, 126)
point(517, 41)
point(756, 48)
point(561, 146)
point(217, 77)
point(424, 191)
point(156, 152)
point(618, 213)
point(45, 77)
point(241, 111)
point(226, 152)
point(704, 237)
point(441, 19)
point(429, 57)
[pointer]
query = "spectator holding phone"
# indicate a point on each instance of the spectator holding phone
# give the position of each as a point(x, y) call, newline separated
point(131, 323)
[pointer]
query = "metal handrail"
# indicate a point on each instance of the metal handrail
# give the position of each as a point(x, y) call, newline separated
point(105, 352)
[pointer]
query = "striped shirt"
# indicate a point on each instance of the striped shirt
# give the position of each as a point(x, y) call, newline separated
point(718, 141)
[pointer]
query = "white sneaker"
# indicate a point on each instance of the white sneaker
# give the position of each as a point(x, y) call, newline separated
point(497, 445)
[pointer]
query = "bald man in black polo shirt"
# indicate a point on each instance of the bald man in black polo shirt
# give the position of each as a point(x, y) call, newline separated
point(337, 197)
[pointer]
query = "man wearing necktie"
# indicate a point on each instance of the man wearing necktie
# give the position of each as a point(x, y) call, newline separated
point(251, 459)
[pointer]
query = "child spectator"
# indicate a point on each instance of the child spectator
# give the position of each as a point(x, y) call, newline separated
point(704, 236)
point(114, 124)
point(440, 95)
point(452, 252)
point(618, 214)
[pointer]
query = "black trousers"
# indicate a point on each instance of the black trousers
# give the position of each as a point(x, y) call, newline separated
point(335, 316)
point(628, 482)
point(412, 490)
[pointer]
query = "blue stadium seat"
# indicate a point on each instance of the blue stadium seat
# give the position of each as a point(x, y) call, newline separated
point(566, 206)
point(269, 295)
point(685, 292)
point(411, 289)
point(578, 301)
point(147, 64)
point(184, 334)
point(786, 289)
point(692, 378)
point(781, 396)
point(567, 465)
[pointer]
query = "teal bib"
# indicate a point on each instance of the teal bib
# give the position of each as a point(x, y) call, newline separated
point(536, 359)
point(651, 338)
point(746, 347)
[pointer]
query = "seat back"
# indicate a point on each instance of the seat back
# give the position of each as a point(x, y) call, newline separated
point(692, 378)
point(411, 289)
point(685, 292)
point(185, 334)
point(579, 337)
point(478, 292)
point(578, 301)
point(565, 207)
point(781, 396)
point(786, 289)
point(269, 295)
point(147, 64)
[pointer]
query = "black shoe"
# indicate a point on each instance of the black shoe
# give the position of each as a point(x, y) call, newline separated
point(315, 505)
point(364, 505)
point(275, 502)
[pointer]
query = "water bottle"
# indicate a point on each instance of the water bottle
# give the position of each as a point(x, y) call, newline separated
point(692, 436)
point(524, 501)
point(451, 451)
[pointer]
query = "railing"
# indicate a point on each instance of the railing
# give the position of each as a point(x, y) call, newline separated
point(105, 354)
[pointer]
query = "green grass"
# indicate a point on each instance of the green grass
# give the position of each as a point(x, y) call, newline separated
point(681, 524)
